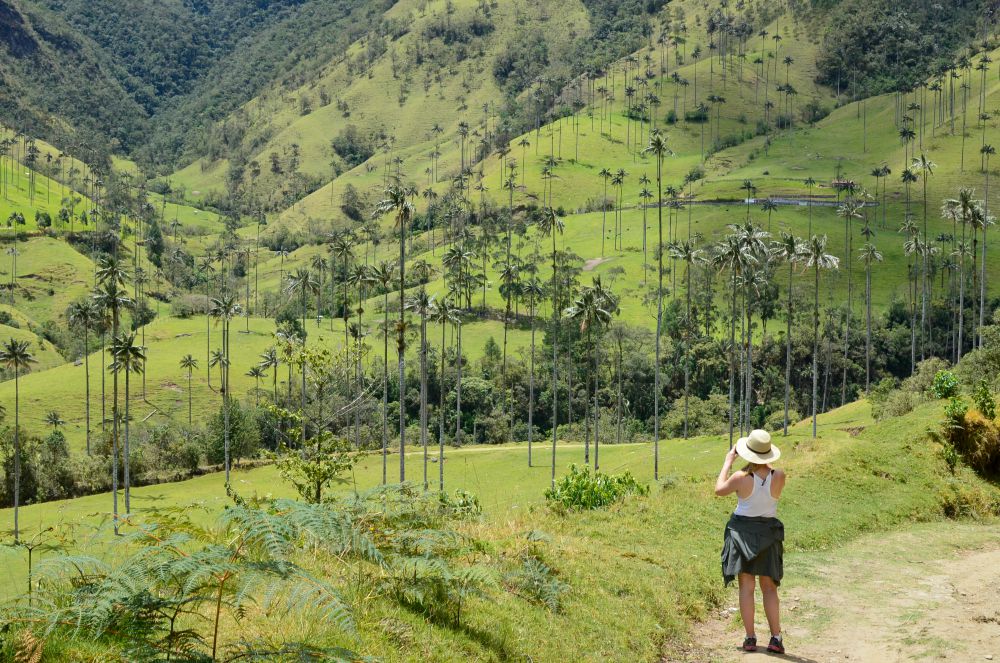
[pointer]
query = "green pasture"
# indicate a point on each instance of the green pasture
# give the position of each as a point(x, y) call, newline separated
point(650, 562)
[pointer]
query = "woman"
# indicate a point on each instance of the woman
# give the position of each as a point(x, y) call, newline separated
point(752, 544)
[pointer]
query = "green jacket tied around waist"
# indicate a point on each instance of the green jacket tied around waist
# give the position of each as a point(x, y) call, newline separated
point(753, 545)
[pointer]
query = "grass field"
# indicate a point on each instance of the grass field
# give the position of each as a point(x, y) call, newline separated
point(651, 562)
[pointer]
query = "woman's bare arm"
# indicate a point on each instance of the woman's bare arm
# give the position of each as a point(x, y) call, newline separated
point(726, 484)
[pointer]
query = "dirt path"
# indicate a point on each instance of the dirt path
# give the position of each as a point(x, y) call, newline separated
point(928, 593)
point(594, 263)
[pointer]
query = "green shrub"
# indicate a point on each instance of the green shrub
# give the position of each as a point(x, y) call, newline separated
point(973, 437)
point(582, 490)
point(463, 503)
point(922, 381)
point(983, 398)
point(945, 385)
point(897, 403)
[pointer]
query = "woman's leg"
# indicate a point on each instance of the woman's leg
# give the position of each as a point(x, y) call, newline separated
point(770, 591)
point(747, 588)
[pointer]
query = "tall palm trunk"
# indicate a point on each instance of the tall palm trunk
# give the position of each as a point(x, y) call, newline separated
point(225, 396)
point(127, 464)
point(788, 349)
point(597, 406)
point(86, 372)
point(732, 360)
point(815, 366)
point(17, 452)
point(659, 318)
point(423, 392)
point(302, 439)
point(114, 446)
point(385, 387)
point(441, 412)
point(555, 354)
point(982, 278)
point(924, 294)
point(531, 378)
point(458, 381)
point(401, 349)
point(868, 326)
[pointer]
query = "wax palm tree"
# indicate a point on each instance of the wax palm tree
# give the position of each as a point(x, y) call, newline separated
point(849, 210)
point(658, 148)
point(256, 372)
point(397, 202)
point(444, 313)
point(55, 420)
point(605, 175)
point(961, 210)
point(590, 312)
point(533, 290)
point(342, 249)
point(911, 245)
point(987, 151)
point(269, 361)
point(86, 315)
point(189, 364)
point(817, 259)
point(112, 297)
point(319, 265)
point(509, 281)
point(14, 356)
point(790, 250)
point(925, 168)
point(768, 206)
point(224, 309)
point(551, 225)
point(423, 306)
point(688, 253)
point(869, 256)
point(644, 195)
point(383, 275)
point(127, 357)
point(749, 187)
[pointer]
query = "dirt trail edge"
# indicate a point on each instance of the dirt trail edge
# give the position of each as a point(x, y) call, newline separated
point(930, 592)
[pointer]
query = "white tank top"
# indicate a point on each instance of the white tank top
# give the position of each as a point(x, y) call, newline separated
point(760, 503)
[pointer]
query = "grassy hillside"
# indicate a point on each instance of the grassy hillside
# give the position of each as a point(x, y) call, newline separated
point(651, 562)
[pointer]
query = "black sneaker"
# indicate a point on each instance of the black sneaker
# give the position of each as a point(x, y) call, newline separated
point(750, 644)
point(775, 646)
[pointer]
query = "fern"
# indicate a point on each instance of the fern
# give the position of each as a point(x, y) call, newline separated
point(28, 648)
point(536, 582)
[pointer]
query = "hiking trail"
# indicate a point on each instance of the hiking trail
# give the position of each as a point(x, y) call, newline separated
point(929, 592)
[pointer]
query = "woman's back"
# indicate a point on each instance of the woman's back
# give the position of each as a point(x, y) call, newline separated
point(760, 502)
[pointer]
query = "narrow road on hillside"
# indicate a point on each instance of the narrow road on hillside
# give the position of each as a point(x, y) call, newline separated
point(927, 593)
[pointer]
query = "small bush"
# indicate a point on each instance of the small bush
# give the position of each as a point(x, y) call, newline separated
point(186, 306)
point(945, 385)
point(463, 504)
point(970, 435)
point(922, 381)
point(895, 404)
point(582, 490)
point(982, 396)
point(961, 500)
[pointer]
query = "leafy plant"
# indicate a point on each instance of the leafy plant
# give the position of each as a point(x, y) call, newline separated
point(463, 503)
point(175, 580)
point(945, 385)
point(982, 396)
point(582, 490)
point(535, 581)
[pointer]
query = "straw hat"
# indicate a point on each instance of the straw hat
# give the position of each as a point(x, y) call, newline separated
point(757, 448)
